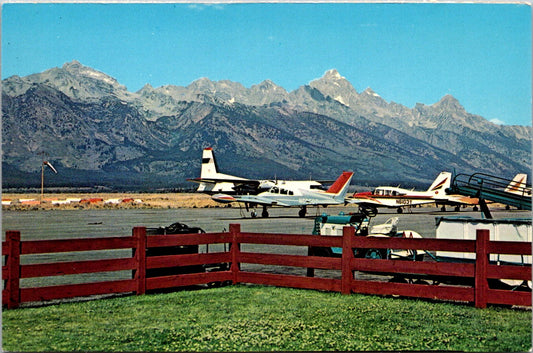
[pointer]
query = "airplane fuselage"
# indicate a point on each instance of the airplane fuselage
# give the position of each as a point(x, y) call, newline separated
point(291, 197)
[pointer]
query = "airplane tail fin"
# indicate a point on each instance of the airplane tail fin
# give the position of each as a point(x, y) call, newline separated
point(209, 164)
point(442, 182)
point(340, 187)
point(517, 185)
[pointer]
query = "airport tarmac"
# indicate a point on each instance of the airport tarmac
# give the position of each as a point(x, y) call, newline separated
point(56, 224)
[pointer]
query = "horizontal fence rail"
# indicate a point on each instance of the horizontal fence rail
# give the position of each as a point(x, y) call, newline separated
point(455, 281)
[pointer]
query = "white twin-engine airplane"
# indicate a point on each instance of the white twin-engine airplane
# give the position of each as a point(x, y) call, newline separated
point(290, 196)
point(396, 197)
point(212, 182)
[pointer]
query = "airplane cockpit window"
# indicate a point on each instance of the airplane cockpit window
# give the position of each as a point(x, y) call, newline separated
point(274, 190)
point(283, 191)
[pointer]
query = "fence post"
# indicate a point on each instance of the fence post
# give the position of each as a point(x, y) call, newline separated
point(310, 270)
point(139, 234)
point(347, 254)
point(235, 230)
point(481, 285)
point(13, 269)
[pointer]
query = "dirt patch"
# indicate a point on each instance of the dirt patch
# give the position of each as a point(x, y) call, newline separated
point(105, 200)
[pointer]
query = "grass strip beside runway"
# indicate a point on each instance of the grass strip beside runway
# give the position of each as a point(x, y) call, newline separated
point(257, 318)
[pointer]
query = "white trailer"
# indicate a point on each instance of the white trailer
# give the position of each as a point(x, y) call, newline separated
point(508, 229)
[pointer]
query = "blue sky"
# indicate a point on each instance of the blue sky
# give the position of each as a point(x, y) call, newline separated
point(407, 53)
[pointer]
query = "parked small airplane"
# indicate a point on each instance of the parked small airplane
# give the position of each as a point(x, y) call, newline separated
point(396, 197)
point(212, 181)
point(288, 195)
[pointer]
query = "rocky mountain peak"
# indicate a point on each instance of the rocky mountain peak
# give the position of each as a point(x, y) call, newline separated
point(332, 77)
point(369, 99)
point(333, 74)
point(146, 88)
point(203, 85)
point(76, 68)
point(73, 65)
point(268, 86)
point(80, 82)
point(334, 85)
point(449, 102)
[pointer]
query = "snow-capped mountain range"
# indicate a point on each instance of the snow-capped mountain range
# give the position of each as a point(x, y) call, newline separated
point(97, 132)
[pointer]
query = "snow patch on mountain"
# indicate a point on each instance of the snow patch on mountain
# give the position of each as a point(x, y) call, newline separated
point(341, 100)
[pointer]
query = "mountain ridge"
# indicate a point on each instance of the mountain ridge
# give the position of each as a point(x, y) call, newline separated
point(93, 124)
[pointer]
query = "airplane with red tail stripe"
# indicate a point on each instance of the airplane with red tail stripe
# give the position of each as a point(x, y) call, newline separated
point(287, 195)
point(396, 197)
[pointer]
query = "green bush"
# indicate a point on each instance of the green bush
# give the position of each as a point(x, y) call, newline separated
point(258, 318)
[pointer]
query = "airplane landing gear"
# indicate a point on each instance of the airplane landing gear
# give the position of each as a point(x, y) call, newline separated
point(264, 214)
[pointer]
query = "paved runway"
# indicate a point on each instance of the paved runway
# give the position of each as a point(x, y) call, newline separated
point(56, 224)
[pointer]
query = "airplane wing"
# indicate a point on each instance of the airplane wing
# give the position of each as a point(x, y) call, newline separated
point(364, 199)
point(252, 199)
point(458, 200)
point(234, 181)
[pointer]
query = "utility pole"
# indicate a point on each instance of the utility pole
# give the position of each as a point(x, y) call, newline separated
point(43, 164)
point(42, 153)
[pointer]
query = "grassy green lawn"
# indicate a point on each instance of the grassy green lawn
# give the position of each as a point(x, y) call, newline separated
point(256, 318)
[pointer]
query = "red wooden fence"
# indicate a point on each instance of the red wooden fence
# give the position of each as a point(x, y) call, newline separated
point(478, 271)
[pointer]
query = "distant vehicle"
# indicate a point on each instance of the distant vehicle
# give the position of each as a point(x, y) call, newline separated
point(213, 182)
point(157, 252)
point(290, 195)
point(332, 225)
point(504, 229)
